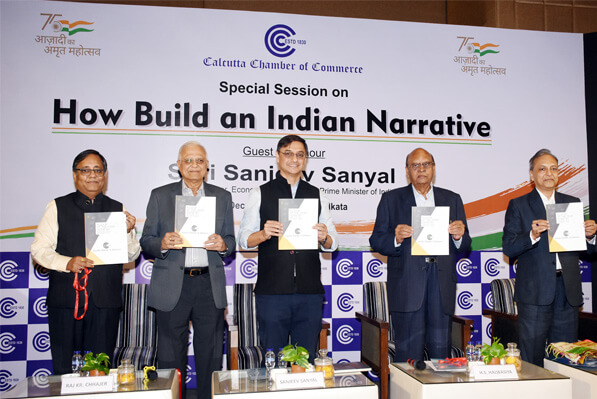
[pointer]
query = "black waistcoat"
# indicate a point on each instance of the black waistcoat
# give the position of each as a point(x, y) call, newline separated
point(276, 273)
point(105, 281)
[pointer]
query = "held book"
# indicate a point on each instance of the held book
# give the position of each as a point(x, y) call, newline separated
point(105, 238)
point(298, 216)
point(430, 224)
point(195, 219)
point(566, 227)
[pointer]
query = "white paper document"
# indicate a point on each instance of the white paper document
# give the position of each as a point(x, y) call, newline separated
point(105, 238)
point(195, 219)
point(566, 227)
point(430, 224)
point(298, 216)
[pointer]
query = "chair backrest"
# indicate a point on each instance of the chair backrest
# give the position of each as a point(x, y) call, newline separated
point(245, 315)
point(137, 329)
point(503, 296)
point(375, 305)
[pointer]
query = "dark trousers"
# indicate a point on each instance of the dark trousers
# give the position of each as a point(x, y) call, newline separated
point(427, 327)
point(541, 324)
point(297, 316)
point(97, 333)
point(196, 304)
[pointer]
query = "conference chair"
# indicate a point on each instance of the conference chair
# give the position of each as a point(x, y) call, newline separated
point(504, 315)
point(137, 329)
point(377, 338)
point(243, 347)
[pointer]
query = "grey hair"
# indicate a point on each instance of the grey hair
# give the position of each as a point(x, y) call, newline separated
point(540, 153)
point(190, 143)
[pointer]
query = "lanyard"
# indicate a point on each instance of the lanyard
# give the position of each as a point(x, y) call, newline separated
point(82, 286)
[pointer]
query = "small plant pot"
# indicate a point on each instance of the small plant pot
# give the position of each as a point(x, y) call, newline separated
point(95, 373)
point(495, 360)
point(297, 369)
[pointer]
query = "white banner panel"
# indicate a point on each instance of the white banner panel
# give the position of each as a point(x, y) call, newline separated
point(137, 82)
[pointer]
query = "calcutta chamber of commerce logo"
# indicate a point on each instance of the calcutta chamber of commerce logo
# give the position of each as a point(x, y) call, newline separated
point(490, 267)
point(41, 341)
point(344, 268)
point(39, 307)
point(7, 307)
point(278, 42)
point(190, 374)
point(489, 299)
point(464, 300)
point(7, 270)
point(5, 380)
point(248, 268)
point(374, 268)
point(41, 273)
point(344, 334)
point(345, 302)
point(489, 330)
point(463, 267)
point(146, 269)
point(7, 343)
point(40, 378)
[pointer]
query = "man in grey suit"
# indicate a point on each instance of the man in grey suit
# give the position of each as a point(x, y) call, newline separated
point(188, 284)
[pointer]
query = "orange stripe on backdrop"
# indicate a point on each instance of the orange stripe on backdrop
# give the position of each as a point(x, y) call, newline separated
point(499, 202)
point(18, 229)
point(483, 207)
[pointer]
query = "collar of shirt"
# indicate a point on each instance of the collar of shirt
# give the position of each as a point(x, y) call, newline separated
point(547, 201)
point(420, 198)
point(294, 188)
point(187, 192)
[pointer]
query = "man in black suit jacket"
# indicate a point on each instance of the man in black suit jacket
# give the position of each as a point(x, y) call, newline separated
point(421, 290)
point(59, 246)
point(548, 289)
point(188, 284)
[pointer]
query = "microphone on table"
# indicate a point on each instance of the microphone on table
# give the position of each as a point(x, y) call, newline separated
point(417, 364)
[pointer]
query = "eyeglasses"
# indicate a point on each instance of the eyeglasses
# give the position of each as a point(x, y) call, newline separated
point(190, 161)
point(290, 154)
point(87, 172)
point(425, 165)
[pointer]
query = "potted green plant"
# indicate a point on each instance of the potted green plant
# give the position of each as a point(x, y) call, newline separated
point(492, 354)
point(297, 356)
point(96, 365)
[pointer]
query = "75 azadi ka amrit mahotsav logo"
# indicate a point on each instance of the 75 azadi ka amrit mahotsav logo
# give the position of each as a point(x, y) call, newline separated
point(478, 48)
point(64, 25)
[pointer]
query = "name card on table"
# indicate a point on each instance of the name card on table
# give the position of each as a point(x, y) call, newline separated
point(104, 383)
point(299, 380)
point(495, 372)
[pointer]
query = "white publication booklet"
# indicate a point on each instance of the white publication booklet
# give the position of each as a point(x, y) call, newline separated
point(566, 227)
point(298, 216)
point(195, 219)
point(430, 225)
point(105, 238)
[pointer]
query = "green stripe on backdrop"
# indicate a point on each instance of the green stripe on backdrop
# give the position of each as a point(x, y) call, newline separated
point(24, 235)
point(490, 241)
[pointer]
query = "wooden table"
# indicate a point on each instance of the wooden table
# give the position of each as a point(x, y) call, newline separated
point(533, 382)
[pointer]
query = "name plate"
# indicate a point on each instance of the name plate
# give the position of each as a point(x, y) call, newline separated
point(299, 380)
point(104, 383)
point(495, 372)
